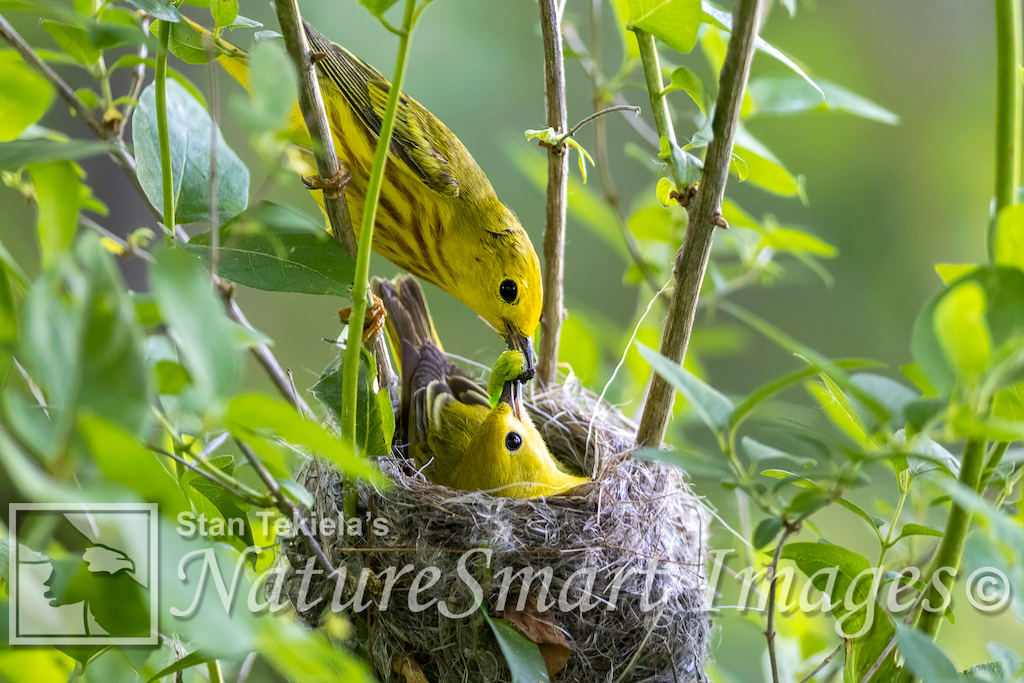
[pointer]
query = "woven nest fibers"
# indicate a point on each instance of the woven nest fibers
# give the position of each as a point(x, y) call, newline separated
point(608, 579)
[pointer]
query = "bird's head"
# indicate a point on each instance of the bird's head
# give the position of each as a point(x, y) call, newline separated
point(511, 293)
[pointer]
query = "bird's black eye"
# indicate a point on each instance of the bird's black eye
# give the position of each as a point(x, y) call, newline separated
point(513, 441)
point(509, 290)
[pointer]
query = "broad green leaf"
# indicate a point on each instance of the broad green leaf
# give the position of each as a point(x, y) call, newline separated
point(840, 410)
point(924, 658)
point(198, 323)
point(664, 191)
point(252, 413)
point(275, 248)
point(74, 40)
point(522, 655)
point(224, 12)
point(712, 407)
point(758, 451)
point(171, 377)
point(273, 88)
point(791, 95)
point(190, 130)
point(297, 492)
point(722, 19)
point(766, 531)
point(124, 460)
point(761, 166)
point(920, 530)
point(674, 22)
point(888, 393)
point(949, 272)
point(1009, 237)
point(56, 187)
point(117, 27)
point(19, 153)
point(796, 241)
point(158, 9)
point(370, 433)
point(813, 557)
point(1003, 290)
point(687, 81)
point(377, 7)
point(687, 167)
point(962, 330)
point(225, 505)
point(24, 95)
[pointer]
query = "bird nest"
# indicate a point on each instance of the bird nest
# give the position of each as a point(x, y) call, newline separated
point(617, 591)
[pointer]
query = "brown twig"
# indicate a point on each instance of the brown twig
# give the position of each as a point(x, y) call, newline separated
point(285, 504)
point(558, 187)
point(824, 663)
point(705, 210)
point(769, 630)
point(333, 176)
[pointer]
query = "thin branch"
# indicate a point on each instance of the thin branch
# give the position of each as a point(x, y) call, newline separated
point(824, 663)
point(769, 631)
point(246, 494)
point(878, 662)
point(557, 194)
point(285, 505)
point(607, 110)
point(705, 209)
point(333, 177)
point(135, 91)
point(211, 53)
point(1009, 98)
point(127, 248)
point(163, 129)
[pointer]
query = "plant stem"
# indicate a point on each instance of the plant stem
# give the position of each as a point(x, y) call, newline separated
point(769, 631)
point(659, 104)
point(311, 103)
point(557, 196)
point(705, 209)
point(1009, 97)
point(951, 547)
point(350, 381)
point(161, 124)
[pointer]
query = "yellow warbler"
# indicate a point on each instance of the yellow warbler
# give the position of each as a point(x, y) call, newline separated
point(438, 216)
point(452, 430)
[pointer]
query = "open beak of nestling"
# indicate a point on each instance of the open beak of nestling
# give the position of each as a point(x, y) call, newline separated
point(523, 344)
point(512, 396)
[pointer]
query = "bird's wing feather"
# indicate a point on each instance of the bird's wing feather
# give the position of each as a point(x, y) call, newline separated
point(418, 136)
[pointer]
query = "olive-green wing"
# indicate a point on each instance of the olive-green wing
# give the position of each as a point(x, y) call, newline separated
point(419, 138)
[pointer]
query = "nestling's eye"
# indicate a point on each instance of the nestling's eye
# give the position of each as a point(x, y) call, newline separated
point(509, 290)
point(513, 441)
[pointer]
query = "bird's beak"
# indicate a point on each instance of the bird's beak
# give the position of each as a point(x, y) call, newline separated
point(523, 344)
point(512, 396)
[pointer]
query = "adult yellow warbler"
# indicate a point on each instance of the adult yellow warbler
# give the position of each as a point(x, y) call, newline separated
point(438, 216)
point(452, 430)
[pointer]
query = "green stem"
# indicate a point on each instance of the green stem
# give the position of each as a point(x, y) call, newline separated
point(659, 104)
point(349, 390)
point(1009, 97)
point(213, 668)
point(951, 548)
point(161, 124)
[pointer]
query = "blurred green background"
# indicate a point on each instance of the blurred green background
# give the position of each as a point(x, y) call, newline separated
point(894, 199)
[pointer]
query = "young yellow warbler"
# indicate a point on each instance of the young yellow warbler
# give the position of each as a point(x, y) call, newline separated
point(453, 432)
point(438, 216)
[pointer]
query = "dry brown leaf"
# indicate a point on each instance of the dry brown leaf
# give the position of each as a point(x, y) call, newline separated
point(406, 667)
point(541, 629)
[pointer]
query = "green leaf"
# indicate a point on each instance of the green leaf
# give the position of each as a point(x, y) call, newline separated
point(664, 191)
point(117, 27)
point(198, 322)
point(124, 460)
point(674, 22)
point(253, 413)
point(188, 661)
point(962, 330)
point(297, 492)
point(370, 432)
point(888, 393)
point(224, 12)
point(171, 378)
point(766, 531)
point(1009, 237)
point(377, 7)
point(717, 17)
point(949, 272)
point(19, 153)
point(920, 530)
point(1003, 321)
point(277, 249)
point(687, 81)
point(758, 452)
point(134, 60)
point(273, 88)
point(158, 9)
point(525, 662)
point(8, 312)
point(924, 659)
point(190, 130)
point(225, 503)
point(75, 41)
point(791, 95)
point(56, 189)
point(840, 410)
point(653, 223)
point(795, 242)
point(762, 168)
point(712, 407)
point(24, 95)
